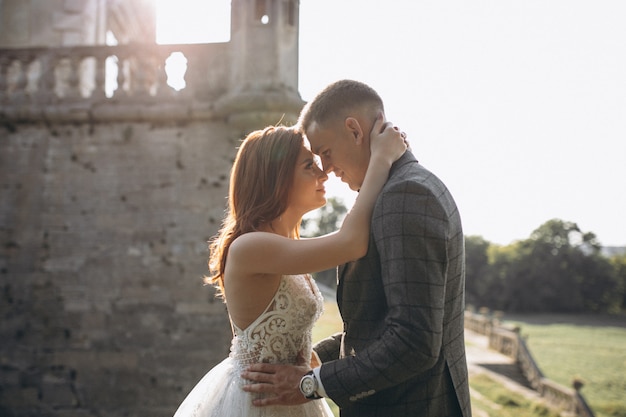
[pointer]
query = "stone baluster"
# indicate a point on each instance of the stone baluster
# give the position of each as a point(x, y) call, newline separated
point(73, 78)
point(162, 89)
point(21, 79)
point(4, 69)
point(122, 68)
point(140, 81)
point(99, 91)
point(158, 76)
point(46, 81)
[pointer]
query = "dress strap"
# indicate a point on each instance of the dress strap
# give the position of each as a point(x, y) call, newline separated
point(236, 330)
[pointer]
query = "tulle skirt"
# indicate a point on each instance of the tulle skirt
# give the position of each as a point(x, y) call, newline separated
point(219, 394)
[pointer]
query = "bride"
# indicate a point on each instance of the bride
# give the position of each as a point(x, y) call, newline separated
point(260, 265)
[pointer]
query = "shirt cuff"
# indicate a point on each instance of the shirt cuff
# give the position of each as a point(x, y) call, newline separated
point(320, 387)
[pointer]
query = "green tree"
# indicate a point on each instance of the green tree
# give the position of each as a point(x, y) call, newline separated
point(559, 268)
point(618, 301)
point(476, 270)
point(503, 262)
point(326, 220)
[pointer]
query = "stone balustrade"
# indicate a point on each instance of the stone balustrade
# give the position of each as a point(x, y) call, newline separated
point(81, 81)
point(86, 84)
point(509, 342)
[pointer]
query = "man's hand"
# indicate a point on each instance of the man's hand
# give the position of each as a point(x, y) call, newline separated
point(280, 383)
point(386, 140)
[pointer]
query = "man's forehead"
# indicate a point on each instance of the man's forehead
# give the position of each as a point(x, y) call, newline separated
point(317, 137)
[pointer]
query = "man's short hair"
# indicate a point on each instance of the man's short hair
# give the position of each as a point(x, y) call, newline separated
point(336, 100)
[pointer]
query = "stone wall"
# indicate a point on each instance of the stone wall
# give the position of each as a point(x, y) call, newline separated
point(103, 232)
point(108, 199)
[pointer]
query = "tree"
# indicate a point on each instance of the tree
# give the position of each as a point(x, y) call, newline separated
point(558, 269)
point(618, 301)
point(575, 275)
point(476, 270)
point(327, 220)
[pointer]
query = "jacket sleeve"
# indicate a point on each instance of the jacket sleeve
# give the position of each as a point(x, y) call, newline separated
point(328, 349)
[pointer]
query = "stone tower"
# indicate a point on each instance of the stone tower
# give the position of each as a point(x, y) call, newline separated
point(265, 61)
point(108, 197)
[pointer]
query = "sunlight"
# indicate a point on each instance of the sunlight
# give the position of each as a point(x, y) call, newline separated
point(111, 65)
point(175, 68)
point(192, 21)
point(189, 21)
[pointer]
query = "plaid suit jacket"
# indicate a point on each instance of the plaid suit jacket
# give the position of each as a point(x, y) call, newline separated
point(402, 352)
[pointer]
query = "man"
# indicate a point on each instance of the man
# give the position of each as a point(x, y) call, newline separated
point(402, 351)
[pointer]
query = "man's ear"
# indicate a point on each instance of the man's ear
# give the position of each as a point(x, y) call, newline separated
point(354, 127)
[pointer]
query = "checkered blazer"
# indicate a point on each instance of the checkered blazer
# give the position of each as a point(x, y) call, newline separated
point(402, 351)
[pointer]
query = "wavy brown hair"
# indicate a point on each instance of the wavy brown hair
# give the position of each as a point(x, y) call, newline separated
point(260, 182)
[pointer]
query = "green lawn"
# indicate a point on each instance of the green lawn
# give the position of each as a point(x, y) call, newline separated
point(491, 399)
point(565, 347)
point(329, 323)
point(587, 348)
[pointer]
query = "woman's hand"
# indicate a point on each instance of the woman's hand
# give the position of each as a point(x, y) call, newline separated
point(387, 141)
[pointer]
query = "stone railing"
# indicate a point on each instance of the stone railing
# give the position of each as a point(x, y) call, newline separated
point(136, 82)
point(38, 83)
point(509, 342)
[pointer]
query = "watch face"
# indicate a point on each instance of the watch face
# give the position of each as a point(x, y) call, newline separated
point(308, 385)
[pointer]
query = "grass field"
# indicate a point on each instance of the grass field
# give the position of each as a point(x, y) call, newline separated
point(328, 324)
point(491, 399)
point(589, 348)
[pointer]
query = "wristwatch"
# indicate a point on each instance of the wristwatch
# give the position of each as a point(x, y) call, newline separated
point(309, 385)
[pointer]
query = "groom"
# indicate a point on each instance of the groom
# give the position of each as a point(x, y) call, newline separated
point(402, 350)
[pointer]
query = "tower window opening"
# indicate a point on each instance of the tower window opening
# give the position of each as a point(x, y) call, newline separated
point(175, 69)
point(261, 13)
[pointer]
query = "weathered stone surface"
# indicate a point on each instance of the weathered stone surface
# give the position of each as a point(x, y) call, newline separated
point(102, 267)
point(106, 207)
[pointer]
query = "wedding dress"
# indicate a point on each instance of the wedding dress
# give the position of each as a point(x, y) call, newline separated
point(281, 334)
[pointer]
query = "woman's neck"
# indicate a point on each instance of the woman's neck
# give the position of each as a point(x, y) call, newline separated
point(285, 225)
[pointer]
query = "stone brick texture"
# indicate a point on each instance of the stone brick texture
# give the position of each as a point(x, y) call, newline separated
point(103, 249)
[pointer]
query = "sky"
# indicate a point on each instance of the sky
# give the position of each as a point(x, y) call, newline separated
point(518, 106)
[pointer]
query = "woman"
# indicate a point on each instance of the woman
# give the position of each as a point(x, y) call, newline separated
point(260, 264)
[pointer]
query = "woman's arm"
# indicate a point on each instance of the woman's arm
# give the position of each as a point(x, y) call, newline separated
point(269, 253)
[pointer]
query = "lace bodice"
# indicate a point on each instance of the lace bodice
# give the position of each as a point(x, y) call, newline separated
point(282, 333)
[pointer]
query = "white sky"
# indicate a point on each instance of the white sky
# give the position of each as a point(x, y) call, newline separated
point(519, 106)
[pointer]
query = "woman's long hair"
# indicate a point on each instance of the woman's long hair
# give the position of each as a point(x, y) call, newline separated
point(260, 181)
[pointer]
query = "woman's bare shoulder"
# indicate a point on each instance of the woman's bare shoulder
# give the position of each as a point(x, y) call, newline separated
point(254, 243)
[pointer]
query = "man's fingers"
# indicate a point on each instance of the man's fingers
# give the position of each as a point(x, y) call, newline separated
point(384, 126)
point(261, 377)
point(380, 124)
point(258, 387)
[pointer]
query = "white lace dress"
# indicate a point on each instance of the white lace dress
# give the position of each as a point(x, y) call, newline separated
point(281, 334)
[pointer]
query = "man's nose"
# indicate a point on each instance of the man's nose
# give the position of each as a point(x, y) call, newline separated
point(327, 166)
